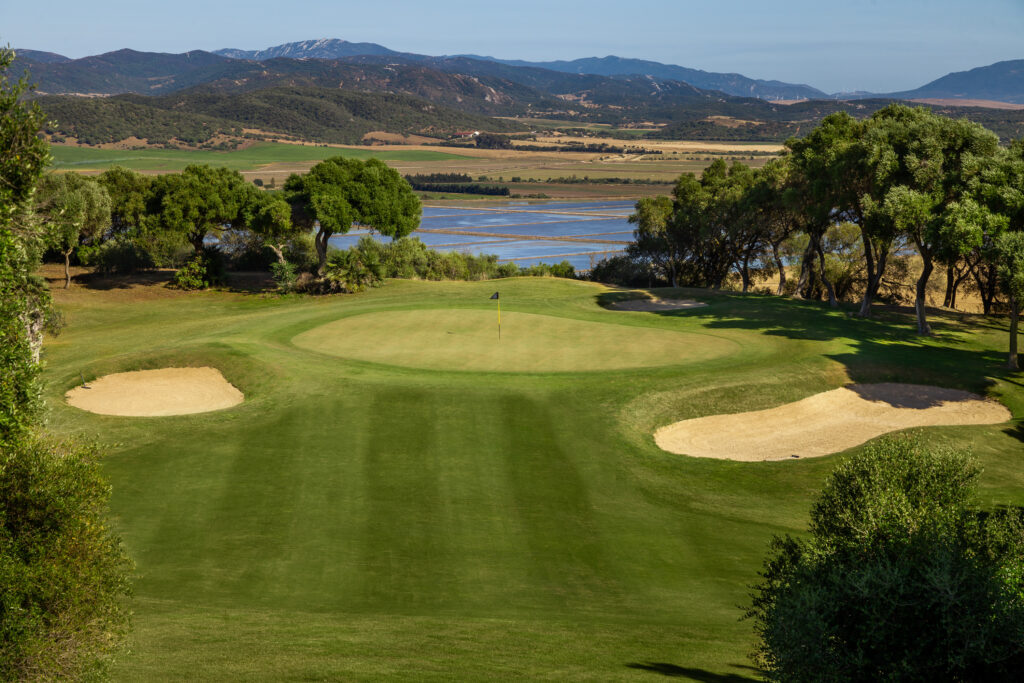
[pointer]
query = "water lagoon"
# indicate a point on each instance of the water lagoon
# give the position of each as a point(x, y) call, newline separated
point(581, 233)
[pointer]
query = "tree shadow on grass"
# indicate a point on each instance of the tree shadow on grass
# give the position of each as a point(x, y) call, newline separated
point(884, 348)
point(693, 674)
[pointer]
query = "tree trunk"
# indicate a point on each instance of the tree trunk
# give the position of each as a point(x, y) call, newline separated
point(745, 273)
point(782, 271)
point(948, 299)
point(67, 269)
point(1012, 363)
point(278, 251)
point(824, 278)
point(806, 266)
point(321, 250)
point(922, 283)
point(869, 263)
point(986, 288)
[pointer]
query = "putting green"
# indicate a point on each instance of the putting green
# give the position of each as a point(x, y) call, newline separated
point(467, 339)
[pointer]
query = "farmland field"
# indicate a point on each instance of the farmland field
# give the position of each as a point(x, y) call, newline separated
point(525, 172)
point(433, 506)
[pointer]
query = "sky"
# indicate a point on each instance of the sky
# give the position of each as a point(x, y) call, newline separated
point(874, 45)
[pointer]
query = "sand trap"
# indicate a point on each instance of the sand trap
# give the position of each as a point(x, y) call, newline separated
point(153, 393)
point(826, 423)
point(653, 305)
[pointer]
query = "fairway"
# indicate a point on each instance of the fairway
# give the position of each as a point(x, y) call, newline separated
point(467, 340)
point(393, 502)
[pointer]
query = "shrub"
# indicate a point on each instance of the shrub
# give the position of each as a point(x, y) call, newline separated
point(64, 576)
point(206, 269)
point(285, 275)
point(901, 578)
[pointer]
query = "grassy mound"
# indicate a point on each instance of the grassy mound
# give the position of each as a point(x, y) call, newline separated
point(467, 339)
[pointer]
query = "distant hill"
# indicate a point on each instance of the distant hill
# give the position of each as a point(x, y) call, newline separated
point(728, 83)
point(128, 71)
point(42, 57)
point(199, 115)
point(324, 48)
point(1002, 81)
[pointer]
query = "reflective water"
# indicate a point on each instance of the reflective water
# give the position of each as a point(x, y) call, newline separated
point(581, 233)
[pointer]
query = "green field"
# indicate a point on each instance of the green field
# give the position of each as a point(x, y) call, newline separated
point(249, 158)
point(391, 502)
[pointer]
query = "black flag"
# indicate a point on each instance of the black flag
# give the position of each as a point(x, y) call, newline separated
point(494, 296)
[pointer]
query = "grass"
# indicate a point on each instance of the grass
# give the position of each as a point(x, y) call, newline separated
point(467, 340)
point(362, 516)
point(248, 158)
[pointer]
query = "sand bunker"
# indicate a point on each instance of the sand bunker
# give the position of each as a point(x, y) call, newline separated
point(652, 305)
point(152, 393)
point(826, 423)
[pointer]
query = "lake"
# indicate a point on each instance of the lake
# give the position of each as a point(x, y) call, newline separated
point(581, 233)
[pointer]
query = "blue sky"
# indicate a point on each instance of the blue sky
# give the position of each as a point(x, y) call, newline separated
point(876, 45)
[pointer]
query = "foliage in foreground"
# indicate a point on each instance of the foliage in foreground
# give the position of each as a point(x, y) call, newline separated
point(63, 574)
point(902, 578)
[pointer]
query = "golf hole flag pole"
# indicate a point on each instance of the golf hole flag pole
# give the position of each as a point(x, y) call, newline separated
point(495, 296)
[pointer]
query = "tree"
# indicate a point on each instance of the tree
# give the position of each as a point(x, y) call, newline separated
point(814, 190)
point(198, 202)
point(23, 299)
point(1003, 190)
point(1009, 257)
point(766, 200)
point(923, 163)
point(340, 191)
point(270, 217)
point(128, 193)
point(900, 578)
point(63, 575)
point(652, 241)
point(74, 209)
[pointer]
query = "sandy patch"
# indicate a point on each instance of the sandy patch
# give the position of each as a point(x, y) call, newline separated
point(828, 422)
point(653, 305)
point(153, 393)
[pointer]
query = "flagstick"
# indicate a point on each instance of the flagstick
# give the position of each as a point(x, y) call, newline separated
point(499, 319)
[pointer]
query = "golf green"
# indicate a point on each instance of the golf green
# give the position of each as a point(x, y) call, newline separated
point(468, 340)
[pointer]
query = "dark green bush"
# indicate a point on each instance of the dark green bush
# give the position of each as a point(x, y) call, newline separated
point(206, 269)
point(285, 275)
point(64, 576)
point(902, 578)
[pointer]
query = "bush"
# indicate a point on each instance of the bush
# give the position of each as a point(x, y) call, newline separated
point(623, 270)
point(206, 269)
point(120, 254)
point(64, 576)
point(900, 579)
point(351, 271)
point(286, 277)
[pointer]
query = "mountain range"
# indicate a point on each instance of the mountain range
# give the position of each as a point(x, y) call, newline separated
point(1002, 82)
point(309, 89)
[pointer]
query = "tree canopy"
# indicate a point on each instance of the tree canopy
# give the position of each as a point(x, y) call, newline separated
point(338, 192)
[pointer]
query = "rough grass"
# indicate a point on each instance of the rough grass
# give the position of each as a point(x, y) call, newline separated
point(366, 521)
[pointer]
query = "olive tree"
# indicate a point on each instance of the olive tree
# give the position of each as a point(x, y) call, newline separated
point(901, 577)
point(198, 202)
point(340, 192)
point(73, 210)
